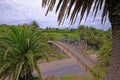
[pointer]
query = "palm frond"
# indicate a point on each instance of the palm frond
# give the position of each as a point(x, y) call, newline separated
point(79, 6)
point(29, 56)
point(19, 47)
point(4, 66)
point(38, 71)
point(18, 70)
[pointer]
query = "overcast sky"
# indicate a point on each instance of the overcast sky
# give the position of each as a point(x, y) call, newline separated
point(25, 11)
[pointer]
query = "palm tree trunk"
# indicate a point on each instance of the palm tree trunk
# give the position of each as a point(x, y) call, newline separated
point(28, 76)
point(114, 68)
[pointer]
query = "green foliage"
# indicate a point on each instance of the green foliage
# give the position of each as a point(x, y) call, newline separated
point(98, 72)
point(61, 56)
point(94, 36)
point(73, 39)
point(104, 54)
point(34, 25)
point(20, 47)
point(58, 35)
point(75, 77)
point(35, 78)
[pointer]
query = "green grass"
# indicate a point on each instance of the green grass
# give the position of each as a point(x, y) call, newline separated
point(70, 77)
point(57, 35)
point(61, 56)
point(56, 57)
point(75, 77)
point(98, 72)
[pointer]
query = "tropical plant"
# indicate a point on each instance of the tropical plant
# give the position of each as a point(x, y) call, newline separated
point(104, 54)
point(35, 25)
point(98, 72)
point(20, 49)
point(109, 7)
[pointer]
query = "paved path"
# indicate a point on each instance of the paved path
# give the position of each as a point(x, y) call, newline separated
point(83, 60)
point(60, 68)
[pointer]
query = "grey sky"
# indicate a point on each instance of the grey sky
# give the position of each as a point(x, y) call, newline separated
point(25, 11)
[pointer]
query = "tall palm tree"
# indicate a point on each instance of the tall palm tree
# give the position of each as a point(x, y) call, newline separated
point(20, 48)
point(110, 8)
point(35, 25)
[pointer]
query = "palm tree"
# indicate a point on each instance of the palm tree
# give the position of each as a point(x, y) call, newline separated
point(110, 8)
point(35, 25)
point(20, 49)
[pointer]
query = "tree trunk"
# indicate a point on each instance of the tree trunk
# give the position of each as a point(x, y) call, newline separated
point(28, 76)
point(114, 68)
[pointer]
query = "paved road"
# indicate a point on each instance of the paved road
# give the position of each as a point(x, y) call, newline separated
point(67, 66)
point(83, 60)
point(60, 68)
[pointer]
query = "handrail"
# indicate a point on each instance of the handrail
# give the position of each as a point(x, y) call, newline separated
point(66, 50)
point(84, 55)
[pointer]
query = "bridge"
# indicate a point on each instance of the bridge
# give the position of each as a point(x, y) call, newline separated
point(83, 60)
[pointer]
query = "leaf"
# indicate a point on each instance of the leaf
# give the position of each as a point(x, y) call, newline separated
point(81, 6)
point(47, 57)
point(18, 70)
point(38, 71)
point(5, 54)
point(29, 56)
point(4, 66)
point(58, 5)
point(28, 42)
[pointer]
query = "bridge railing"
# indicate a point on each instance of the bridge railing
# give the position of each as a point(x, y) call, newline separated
point(66, 50)
point(82, 52)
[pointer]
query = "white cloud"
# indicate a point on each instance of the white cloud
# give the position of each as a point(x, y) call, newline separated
point(19, 11)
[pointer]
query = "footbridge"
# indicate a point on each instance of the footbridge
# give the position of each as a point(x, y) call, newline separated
point(83, 60)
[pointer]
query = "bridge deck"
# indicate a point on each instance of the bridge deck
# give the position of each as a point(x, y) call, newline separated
point(83, 60)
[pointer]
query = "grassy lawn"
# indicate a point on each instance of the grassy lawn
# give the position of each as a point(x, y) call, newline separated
point(57, 35)
point(56, 57)
point(75, 77)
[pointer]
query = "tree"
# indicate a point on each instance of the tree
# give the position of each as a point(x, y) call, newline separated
point(35, 25)
point(110, 8)
point(20, 49)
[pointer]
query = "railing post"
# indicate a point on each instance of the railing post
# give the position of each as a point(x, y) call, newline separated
point(86, 68)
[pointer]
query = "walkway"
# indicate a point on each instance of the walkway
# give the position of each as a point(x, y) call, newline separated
point(83, 60)
point(60, 68)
